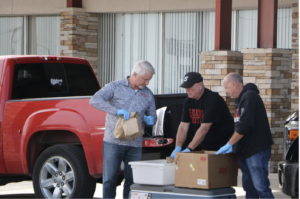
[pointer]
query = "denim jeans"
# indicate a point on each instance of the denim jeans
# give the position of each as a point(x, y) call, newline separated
point(255, 175)
point(113, 155)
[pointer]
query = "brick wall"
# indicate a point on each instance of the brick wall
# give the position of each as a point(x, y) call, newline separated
point(215, 65)
point(295, 57)
point(79, 35)
point(270, 70)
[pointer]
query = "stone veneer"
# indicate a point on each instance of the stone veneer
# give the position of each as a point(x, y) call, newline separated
point(79, 35)
point(295, 57)
point(215, 65)
point(270, 70)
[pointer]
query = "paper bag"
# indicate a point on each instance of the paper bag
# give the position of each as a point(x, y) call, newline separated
point(129, 129)
point(133, 126)
point(170, 160)
point(119, 131)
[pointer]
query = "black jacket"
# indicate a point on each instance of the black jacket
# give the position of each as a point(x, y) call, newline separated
point(251, 121)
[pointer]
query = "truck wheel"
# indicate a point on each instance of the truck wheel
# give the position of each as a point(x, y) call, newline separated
point(61, 172)
point(296, 187)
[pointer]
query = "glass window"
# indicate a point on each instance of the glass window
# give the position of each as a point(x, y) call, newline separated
point(284, 30)
point(56, 79)
point(44, 35)
point(247, 29)
point(125, 39)
point(184, 39)
point(172, 42)
point(53, 80)
point(182, 44)
point(11, 36)
point(29, 81)
point(81, 80)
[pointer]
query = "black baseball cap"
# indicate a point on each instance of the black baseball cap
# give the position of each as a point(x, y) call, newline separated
point(190, 79)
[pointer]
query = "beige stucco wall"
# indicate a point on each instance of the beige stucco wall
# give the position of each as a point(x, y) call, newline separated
point(46, 7)
point(31, 7)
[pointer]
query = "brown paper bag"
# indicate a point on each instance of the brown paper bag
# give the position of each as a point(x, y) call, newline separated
point(133, 126)
point(129, 129)
point(119, 131)
point(170, 160)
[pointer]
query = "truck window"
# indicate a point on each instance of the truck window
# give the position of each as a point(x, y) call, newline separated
point(52, 80)
point(56, 80)
point(81, 80)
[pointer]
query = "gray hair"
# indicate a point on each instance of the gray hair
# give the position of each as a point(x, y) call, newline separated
point(141, 66)
point(235, 77)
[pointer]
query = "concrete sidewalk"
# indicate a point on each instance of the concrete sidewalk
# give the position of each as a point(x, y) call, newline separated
point(25, 189)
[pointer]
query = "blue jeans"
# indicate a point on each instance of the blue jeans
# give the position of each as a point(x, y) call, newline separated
point(255, 175)
point(113, 155)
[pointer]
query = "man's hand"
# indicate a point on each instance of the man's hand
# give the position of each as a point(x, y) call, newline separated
point(149, 120)
point(176, 150)
point(186, 150)
point(124, 112)
point(225, 149)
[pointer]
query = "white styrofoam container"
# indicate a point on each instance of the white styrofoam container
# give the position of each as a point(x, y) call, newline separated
point(153, 172)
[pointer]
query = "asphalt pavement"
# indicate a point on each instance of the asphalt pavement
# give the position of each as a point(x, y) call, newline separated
point(25, 189)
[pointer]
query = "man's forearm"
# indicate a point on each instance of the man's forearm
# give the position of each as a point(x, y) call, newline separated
point(196, 141)
point(235, 138)
point(200, 135)
point(181, 136)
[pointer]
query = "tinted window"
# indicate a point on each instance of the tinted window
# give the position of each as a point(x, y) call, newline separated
point(53, 80)
point(56, 80)
point(81, 80)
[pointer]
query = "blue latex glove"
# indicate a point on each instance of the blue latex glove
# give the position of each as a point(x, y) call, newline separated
point(225, 149)
point(186, 150)
point(176, 150)
point(149, 120)
point(123, 112)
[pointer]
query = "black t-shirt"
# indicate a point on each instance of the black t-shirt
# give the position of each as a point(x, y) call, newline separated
point(210, 108)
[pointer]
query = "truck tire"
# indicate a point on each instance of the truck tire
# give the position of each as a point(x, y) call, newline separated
point(61, 172)
point(296, 187)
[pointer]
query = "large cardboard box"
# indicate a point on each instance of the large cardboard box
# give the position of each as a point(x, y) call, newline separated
point(205, 170)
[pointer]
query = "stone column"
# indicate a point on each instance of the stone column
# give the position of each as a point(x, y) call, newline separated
point(79, 35)
point(295, 57)
point(215, 65)
point(270, 70)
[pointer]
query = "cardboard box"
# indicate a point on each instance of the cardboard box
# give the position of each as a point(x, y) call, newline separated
point(205, 170)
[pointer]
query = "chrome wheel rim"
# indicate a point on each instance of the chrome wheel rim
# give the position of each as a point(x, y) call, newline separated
point(57, 178)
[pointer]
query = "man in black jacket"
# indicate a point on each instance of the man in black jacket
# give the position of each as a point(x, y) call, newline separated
point(252, 138)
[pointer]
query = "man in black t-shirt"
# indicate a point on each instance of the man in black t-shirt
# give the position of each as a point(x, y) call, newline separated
point(206, 122)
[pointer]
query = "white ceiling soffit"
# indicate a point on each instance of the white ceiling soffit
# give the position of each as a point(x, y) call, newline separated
point(47, 7)
point(111, 6)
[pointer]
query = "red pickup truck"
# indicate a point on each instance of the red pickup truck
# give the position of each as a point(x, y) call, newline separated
point(50, 133)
